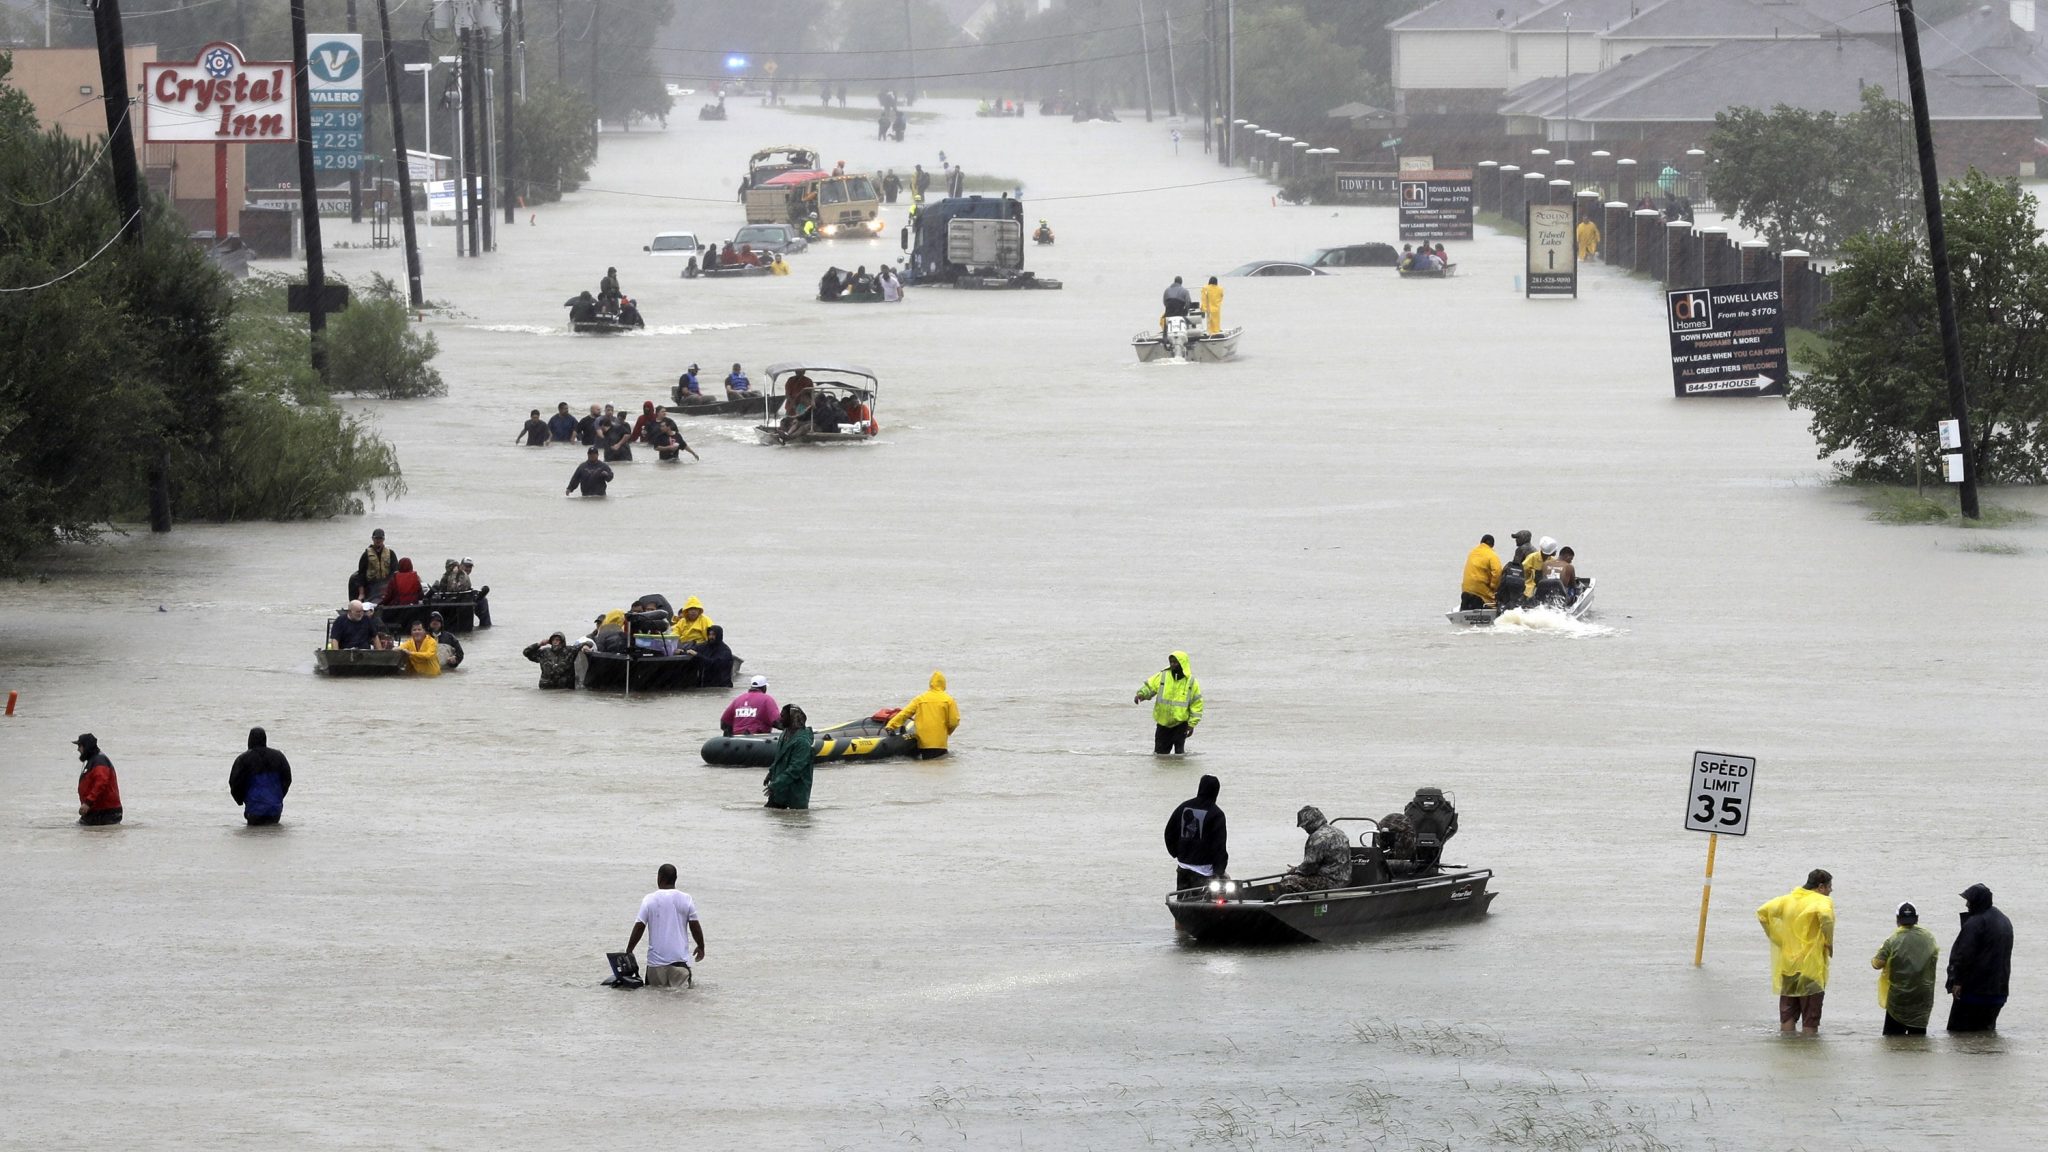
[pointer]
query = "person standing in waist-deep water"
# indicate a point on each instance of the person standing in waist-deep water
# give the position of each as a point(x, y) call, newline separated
point(1906, 966)
point(99, 791)
point(1979, 965)
point(556, 659)
point(788, 783)
point(591, 476)
point(663, 912)
point(1197, 839)
point(1482, 576)
point(1177, 704)
point(259, 779)
point(534, 431)
point(562, 425)
point(1801, 928)
point(933, 716)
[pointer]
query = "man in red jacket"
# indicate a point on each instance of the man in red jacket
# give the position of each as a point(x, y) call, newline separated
point(99, 793)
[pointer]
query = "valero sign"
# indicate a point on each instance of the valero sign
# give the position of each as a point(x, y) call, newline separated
point(219, 98)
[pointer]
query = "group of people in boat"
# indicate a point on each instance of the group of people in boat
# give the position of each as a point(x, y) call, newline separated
point(1178, 301)
point(742, 256)
point(808, 408)
point(858, 284)
point(1542, 574)
point(931, 717)
point(609, 431)
point(384, 577)
point(429, 646)
point(610, 305)
point(1423, 258)
point(1197, 837)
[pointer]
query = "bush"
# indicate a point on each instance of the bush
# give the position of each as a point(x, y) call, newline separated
point(373, 351)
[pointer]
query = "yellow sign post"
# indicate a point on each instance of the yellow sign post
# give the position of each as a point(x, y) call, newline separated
point(1717, 801)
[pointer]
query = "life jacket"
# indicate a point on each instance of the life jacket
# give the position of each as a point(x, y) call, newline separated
point(382, 561)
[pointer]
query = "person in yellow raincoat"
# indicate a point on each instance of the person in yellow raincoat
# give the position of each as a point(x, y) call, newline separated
point(1177, 704)
point(1212, 305)
point(1482, 576)
point(1589, 239)
point(1801, 928)
point(422, 654)
point(693, 626)
point(935, 715)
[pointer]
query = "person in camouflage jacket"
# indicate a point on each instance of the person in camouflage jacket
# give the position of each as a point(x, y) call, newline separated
point(1325, 861)
point(557, 662)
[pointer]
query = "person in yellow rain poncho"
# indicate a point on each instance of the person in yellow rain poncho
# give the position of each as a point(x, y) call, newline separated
point(1212, 305)
point(1801, 928)
point(693, 626)
point(1907, 964)
point(934, 714)
point(1589, 239)
point(1482, 576)
point(1177, 704)
point(422, 655)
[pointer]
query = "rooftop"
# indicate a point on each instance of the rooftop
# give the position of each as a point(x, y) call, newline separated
point(1466, 15)
point(1719, 20)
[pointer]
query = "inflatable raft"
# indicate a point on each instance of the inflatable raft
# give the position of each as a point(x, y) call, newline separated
point(863, 739)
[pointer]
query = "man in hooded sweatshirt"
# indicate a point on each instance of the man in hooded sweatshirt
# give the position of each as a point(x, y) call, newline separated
point(1325, 858)
point(1801, 928)
point(933, 714)
point(1177, 705)
point(99, 792)
point(1979, 965)
point(1905, 975)
point(1197, 838)
point(259, 779)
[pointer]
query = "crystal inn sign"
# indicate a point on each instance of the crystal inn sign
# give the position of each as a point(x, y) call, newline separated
point(220, 98)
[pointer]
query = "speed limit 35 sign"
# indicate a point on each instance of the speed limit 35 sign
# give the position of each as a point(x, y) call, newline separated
point(1719, 798)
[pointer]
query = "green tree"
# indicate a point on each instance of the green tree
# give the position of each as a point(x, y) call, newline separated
point(1812, 180)
point(556, 144)
point(1289, 72)
point(1880, 387)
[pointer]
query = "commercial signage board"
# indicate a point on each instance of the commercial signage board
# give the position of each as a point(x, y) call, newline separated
point(1718, 800)
point(1727, 340)
point(1360, 184)
point(219, 97)
point(1553, 257)
point(1436, 204)
point(334, 89)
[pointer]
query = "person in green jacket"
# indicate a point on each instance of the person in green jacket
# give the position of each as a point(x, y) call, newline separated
point(1176, 707)
point(788, 783)
point(1908, 964)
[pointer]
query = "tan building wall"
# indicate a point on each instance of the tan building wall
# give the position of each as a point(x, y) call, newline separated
point(64, 86)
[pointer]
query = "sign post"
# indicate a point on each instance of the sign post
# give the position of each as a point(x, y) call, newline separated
point(334, 65)
point(1716, 802)
point(1727, 339)
point(1436, 203)
point(218, 98)
point(1553, 256)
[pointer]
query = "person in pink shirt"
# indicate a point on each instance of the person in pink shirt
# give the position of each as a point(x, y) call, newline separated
point(751, 713)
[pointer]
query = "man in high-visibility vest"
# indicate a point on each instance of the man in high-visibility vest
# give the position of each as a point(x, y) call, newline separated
point(1176, 707)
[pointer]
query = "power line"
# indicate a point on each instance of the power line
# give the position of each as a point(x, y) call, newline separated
point(88, 170)
point(88, 260)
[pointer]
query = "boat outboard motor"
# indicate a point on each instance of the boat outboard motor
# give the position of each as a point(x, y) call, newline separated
point(1435, 821)
point(1177, 336)
point(1550, 591)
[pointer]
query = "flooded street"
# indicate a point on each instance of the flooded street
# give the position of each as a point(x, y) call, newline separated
point(973, 952)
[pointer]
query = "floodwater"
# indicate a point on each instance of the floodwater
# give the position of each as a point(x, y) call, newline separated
point(973, 953)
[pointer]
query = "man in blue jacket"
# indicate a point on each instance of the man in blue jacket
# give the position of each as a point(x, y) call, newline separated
point(260, 778)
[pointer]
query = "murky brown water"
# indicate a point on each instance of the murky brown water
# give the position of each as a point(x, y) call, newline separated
point(973, 953)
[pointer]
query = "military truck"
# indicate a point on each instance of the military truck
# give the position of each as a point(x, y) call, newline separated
point(969, 242)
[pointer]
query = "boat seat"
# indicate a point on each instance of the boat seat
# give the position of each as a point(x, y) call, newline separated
point(1368, 866)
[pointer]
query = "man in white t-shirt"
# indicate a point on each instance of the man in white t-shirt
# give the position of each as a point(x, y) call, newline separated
point(662, 916)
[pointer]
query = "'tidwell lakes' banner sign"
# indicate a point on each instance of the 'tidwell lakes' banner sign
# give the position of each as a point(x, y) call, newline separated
point(220, 98)
point(1436, 204)
point(1727, 340)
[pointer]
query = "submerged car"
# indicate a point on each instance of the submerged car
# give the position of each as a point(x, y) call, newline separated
point(1373, 255)
point(681, 244)
point(783, 238)
point(1275, 268)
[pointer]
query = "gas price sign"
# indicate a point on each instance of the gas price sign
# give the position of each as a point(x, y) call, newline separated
point(1718, 800)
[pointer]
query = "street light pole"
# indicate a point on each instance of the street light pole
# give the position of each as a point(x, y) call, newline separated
point(414, 290)
point(1567, 85)
point(1937, 254)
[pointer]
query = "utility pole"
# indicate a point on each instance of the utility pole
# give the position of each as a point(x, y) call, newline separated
point(1208, 72)
point(1937, 254)
point(1145, 42)
point(412, 243)
point(355, 175)
point(106, 26)
point(910, 51)
point(1230, 82)
point(487, 147)
point(596, 26)
point(505, 78)
point(472, 177)
point(1172, 77)
point(309, 194)
point(561, 68)
point(1567, 85)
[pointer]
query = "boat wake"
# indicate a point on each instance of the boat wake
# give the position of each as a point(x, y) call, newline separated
point(1550, 621)
point(651, 330)
point(528, 329)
